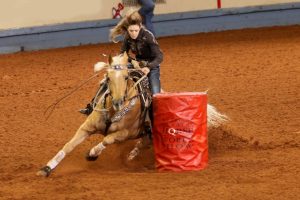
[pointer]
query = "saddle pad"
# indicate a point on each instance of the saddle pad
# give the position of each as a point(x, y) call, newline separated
point(179, 131)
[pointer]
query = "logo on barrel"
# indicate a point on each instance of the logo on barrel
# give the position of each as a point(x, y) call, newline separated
point(179, 131)
point(178, 136)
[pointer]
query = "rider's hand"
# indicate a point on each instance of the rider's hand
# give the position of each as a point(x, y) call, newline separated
point(145, 70)
point(143, 64)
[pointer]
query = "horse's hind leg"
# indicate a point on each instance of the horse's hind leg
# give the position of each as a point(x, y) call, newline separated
point(79, 137)
point(143, 142)
point(109, 139)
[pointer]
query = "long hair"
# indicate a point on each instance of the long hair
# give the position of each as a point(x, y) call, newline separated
point(132, 17)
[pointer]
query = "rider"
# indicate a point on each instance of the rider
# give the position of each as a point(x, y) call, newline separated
point(141, 43)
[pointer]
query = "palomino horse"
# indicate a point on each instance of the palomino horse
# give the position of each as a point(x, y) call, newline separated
point(118, 115)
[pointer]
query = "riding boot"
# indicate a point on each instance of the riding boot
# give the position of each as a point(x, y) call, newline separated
point(87, 110)
point(154, 80)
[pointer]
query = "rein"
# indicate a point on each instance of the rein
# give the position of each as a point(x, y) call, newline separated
point(103, 96)
point(53, 105)
point(136, 83)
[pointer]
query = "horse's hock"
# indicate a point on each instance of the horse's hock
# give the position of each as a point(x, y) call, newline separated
point(179, 132)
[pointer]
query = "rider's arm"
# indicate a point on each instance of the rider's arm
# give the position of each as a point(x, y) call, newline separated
point(156, 53)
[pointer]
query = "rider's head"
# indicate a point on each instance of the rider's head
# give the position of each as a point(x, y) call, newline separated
point(132, 23)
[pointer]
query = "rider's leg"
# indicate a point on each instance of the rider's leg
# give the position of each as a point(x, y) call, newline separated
point(154, 80)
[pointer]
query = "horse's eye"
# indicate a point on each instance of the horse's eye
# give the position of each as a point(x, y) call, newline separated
point(126, 78)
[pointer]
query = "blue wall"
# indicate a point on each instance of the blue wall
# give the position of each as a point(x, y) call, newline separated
point(74, 34)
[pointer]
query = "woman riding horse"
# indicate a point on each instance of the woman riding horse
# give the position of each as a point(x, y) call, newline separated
point(118, 115)
point(141, 43)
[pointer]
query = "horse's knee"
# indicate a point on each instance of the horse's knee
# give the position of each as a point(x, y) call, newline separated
point(68, 147)
point(118, 136)
point(108, 140)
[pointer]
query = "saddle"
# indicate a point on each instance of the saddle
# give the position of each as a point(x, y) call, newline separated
point(143, 87)
point(146, 99)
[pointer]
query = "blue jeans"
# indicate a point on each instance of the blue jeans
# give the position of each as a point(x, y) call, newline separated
point(146, 10)
point(154, 79)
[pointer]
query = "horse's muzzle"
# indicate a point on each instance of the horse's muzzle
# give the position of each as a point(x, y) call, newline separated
point(118, 104)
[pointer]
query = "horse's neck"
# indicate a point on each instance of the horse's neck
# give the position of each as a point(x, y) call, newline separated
point(131, 91)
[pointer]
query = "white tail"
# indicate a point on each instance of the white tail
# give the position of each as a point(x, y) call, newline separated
point(214, 118)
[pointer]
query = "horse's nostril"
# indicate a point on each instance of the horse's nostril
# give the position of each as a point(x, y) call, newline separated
point(118, 103)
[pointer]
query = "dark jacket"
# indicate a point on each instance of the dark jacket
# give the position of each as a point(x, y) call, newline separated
point(145, 47)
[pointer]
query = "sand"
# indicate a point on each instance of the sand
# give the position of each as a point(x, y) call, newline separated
point(252, 75)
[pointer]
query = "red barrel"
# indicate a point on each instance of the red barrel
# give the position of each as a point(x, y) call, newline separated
point(179, 131)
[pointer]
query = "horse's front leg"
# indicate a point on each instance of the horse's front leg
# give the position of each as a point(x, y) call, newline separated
point(82, 133)
point(109, 139)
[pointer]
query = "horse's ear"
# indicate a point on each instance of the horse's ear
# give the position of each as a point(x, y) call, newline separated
point(110, 60)
point(125, 55)
point(125, 58)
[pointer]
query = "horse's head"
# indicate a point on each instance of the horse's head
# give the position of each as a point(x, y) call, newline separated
point(117, 77)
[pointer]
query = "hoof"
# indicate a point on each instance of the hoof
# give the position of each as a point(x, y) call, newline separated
point(90, 158)
point(45, 171)
point(133, 154)
point(130, 157)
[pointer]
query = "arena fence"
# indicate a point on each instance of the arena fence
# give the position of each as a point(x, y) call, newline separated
point(93, 32)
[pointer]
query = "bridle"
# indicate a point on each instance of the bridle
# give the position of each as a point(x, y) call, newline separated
point(118, 115)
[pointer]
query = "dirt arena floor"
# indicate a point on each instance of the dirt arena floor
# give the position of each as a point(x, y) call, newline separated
point(252, 75)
